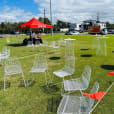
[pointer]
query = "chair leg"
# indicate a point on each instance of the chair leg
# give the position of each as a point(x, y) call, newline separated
point(24, 79)
point(4, 83)
point(46, 79)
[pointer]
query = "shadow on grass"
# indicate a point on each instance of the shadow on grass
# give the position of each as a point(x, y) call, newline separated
point(16, 45)
point(49, 89)
point(86, 55)
point(112, 51)
point(54, 58)
point(107, 67)
point(110, 82)
point(84, 49)
point(29, 83)
point(53, 103)
point(2, 85)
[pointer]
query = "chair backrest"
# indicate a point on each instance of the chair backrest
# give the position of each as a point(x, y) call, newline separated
point(30, 43)
point(86, 76)
point(69, 64)
point(54, 44)
point(11, 64)
point(69, 47)
point(5, 51)
point(93, 90)
point(40, 61)
point(37, 42)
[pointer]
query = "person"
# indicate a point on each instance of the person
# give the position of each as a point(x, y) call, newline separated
point(39, 37)
point(33, 37)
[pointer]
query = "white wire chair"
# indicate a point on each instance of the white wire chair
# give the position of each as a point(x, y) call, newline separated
point(37, 43)
point(7, 39)
point(81, 83)
point(62, 42)
point(68, 68)
point(12, 67)
point(30, 43)
point(101, 47)
point(53, 44)
point(5, 53)
point(77, 104)
point(40, 65)
point(94, 43)
point(69, 47)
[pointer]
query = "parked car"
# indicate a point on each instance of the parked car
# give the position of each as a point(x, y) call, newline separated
point(71, 33)
point(112, 31)
point(74, 32)
point(16, 32)
point(67, 33)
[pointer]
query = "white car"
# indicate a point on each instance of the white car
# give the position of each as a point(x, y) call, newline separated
point(74, 32)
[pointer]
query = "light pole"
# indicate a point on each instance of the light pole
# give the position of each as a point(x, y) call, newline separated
point(51, 17)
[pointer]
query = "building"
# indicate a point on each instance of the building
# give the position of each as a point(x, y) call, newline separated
point(64, 29)
point(86, 24)
point(75, 27)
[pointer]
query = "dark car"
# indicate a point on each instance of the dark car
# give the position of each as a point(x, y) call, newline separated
point(112, 31)
point(68, 33)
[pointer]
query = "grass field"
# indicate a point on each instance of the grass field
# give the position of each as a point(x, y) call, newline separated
point(37, 98)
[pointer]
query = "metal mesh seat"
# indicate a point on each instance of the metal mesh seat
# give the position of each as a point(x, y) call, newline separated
point(77, 104)
point(68, 68)
point(40, 65)
point(79, 83)
point(5, 53)
point(12, 67)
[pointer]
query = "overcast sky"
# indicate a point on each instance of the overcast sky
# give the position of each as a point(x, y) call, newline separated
point(74, 11)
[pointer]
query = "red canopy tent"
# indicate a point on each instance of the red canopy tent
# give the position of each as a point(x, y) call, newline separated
point(34, 23)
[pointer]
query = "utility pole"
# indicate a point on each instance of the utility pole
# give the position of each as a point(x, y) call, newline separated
point(44, 14)
point(98, 17)
point(44, 19)
point(51, 17)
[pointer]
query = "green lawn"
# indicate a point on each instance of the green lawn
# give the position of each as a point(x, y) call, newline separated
point(37, 98)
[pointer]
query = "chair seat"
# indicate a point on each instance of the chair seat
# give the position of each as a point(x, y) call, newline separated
point(69, 105)
point(61, 73)
point(56, 47)
point(13, 70)
point(33, 70)
point(72, 85)
point(73, 105)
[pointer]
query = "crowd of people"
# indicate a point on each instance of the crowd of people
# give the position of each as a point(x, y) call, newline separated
point(36, 37)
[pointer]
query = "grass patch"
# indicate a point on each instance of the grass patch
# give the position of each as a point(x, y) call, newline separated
point(37, 98)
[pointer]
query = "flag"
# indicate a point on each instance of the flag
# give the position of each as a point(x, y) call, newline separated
point(110, 73)
point(97, 95)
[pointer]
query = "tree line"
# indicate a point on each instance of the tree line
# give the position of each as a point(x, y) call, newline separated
point(12, 27)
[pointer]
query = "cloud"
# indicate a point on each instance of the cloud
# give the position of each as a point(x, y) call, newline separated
point(78, 10)
point(13, 14)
